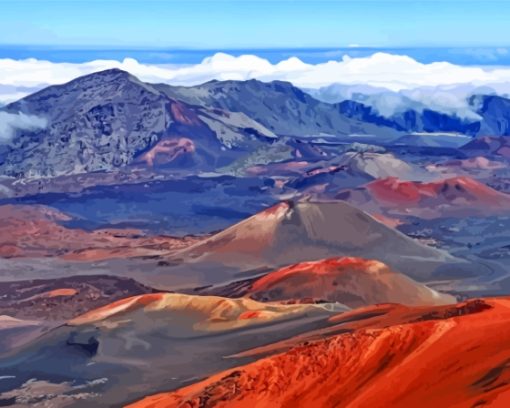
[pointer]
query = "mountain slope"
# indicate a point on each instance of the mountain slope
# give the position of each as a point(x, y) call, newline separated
point(278, 105)
point(110, 119)
point(489, 114)
point(456, 197)
point(376, 165)
point(290, 111)
point(353, 282)
point(158, 337)
point(95, 122)
point(391, 356)
point(495, 111)
point(410, 120)
point(473, 164)
point(17, 332)
point(293, 232)
point(190, 315)
point(104, 120)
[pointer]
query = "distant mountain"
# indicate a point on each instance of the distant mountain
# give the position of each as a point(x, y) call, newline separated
point(279, 106)
point(410, 120)
point(348, 170)
point(95, 122)
point(433, 140)
point(106, 120)
point(495, 111)
point(401, 111)
point(454, 197)
point(110, 119)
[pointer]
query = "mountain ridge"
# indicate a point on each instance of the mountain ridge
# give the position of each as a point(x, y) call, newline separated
point(110, 119)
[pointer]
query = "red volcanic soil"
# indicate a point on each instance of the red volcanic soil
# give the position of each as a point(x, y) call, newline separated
point(353, 282)
point(459, 191)
point(59, 292)
point(183, 114)
point(167, 150)
point(390, 356)
point(36, 231)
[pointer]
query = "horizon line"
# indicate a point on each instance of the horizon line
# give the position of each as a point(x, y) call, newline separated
point(112, 47)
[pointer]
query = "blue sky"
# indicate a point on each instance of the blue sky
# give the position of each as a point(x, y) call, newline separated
point(256, 24)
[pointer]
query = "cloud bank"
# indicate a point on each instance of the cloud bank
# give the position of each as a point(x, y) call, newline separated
point(440, 84)
point(10, 122)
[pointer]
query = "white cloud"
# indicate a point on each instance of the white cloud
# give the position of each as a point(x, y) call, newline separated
point(434, 84)
point(446, 99)
point(10, 122)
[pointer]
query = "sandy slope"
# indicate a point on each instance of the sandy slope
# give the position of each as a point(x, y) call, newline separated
point(188, 314)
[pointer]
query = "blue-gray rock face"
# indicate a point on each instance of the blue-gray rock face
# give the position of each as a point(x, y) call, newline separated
point(106, 120)
point(94, 123)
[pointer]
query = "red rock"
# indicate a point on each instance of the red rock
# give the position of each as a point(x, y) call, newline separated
point(351, 281)
point(448, 356)
point(457, 196)
point(168, 150)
